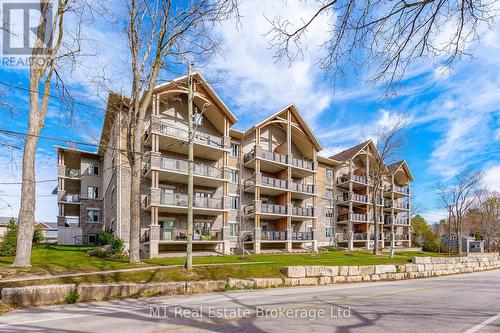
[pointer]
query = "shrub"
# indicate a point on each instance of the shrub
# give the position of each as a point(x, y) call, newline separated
point(8, 247)
point(108, 246)
point(104, 237)
point(38, 235)
point(72, 297)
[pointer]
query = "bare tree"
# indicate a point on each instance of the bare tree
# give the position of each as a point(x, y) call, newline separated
point(47, 53)
point(486, 218)
point(458, 198)
point(440, 230)
point(386, 35)
point(160, 34)
point(390, 142)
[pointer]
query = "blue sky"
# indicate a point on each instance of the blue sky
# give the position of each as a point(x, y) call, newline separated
point(453, 115)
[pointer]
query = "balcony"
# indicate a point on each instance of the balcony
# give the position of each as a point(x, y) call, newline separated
point(66, 172)
point(176, 171)
point(357, 180)
point(301, 191)
point(274, 162)
point(403, 190)
point(199, 236)
point(354, 217)
point(206, 145)
point(69, 198)
point(72, 221)
point(302, 236)
point(177, 203)
point(397, 205)
point(269, 186)
point(345, 198)
point(266, 210)
point(300, 213)
point(398, 220)
point(273, 235)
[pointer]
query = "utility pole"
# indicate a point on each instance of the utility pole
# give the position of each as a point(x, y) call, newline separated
point(189, 242)
point(449, 232)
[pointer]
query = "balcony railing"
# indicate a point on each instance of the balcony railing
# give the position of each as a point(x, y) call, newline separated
point(352, 177)
point(71, 219)
point(201, 138)
point(198, 234)
point(273, 209)
point(273, 235)
point(395, 204)
point(309, 165)
point(273, 182)
point(199, 169)
point(69, 198)
point(181, 200)
point(352, 197)
point(270, 156)
point(399, 189)
point(307, 235)
point(398, 220)
point(359, 236)
point(304, 188)
point(73, 173)
point(300, 211)
point(353, 217)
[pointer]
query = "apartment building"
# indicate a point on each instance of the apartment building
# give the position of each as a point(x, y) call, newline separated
point(266, 188)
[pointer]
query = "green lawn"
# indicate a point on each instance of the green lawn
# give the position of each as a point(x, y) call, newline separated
point(54, 259)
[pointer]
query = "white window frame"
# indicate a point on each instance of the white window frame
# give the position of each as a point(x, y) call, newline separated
point(96, 196)
point(234, 176)
point(95, 210)
point(92, 169)
point(329, 174)
point(236, 228)
point(236, 199)
point(234, 149)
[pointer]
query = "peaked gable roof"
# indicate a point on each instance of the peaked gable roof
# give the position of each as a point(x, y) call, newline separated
point(302, 122)
point(211, 92)
point(351, 152)
point(393, 167)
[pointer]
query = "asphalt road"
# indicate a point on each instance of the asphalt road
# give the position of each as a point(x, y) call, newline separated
point(460, 303)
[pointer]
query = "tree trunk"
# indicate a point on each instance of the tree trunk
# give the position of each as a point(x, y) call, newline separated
point(135, 211)
point(26, 220)
point(376, 227)
point(459, 240)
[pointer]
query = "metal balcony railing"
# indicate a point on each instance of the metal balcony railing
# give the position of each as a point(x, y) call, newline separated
point(300, 211)
point(352, 177)
point(396, 204)
point(181, 200)
point(273, 209)
point(273, 235)
point(201, 138)
point(304, 235)
point(199, 169)
point(198, 234)
point(304, 188)
point(273, 182)
point(296, 162)
point(69, 198)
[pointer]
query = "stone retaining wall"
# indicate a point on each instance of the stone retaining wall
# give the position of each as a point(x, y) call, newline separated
point(296, 276)
point(420, 267)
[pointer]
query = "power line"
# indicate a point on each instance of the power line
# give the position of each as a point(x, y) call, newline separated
point(37, 181)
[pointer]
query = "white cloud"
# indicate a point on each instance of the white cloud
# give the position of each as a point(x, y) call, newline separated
point(259, 85)
point(492, 178)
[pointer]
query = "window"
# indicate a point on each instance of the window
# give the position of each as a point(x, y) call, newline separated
point(329, 174)
point(233, 176)
point(92, 192)
point(113, 199)
point(91, 239)
point(233, 229)
point(329, 193)
point(235, 150)
point(234, 202)
point(329, 212)
point(329, 232)
point(93, 169)
point(309, 228)
point(93, 215)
